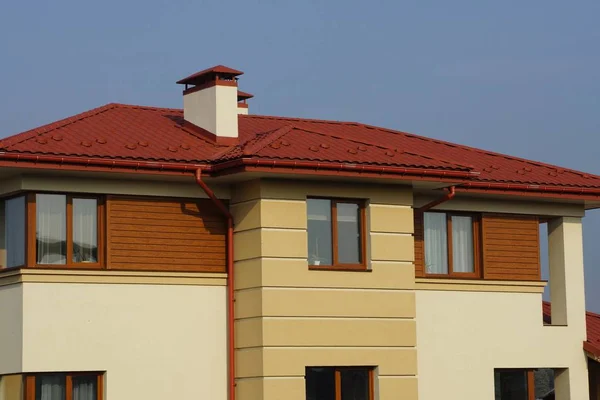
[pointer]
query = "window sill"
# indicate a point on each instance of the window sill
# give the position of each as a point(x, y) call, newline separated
point(359, 268)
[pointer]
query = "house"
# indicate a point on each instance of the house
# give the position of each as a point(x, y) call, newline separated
point(210, 253)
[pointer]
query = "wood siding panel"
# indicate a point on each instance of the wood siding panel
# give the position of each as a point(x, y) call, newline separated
point(511, 247)
point(419, 244)
point(165, 235)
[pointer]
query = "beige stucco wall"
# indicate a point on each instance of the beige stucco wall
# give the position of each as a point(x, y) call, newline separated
point(11, 329)
point(289, 317)
point(153, 341)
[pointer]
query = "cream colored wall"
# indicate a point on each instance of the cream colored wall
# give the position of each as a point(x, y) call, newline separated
point(161, 188)
point(214, 109)
point(11, 328)
point(153, 341)
point(463, 336)
point(289, 317)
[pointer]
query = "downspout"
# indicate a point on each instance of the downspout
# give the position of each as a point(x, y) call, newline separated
point(230, 292)
point(448, 196)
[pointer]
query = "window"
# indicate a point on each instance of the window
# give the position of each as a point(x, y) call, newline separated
point(66, 230)
point(336, 237)
point(349, 383)
point(451, 244)
point(523, 384)
point(71, 386)
point(14, 231)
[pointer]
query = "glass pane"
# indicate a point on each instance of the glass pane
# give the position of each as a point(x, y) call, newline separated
point(510, 385)
point(462, 244)
point(14, 231)
point(51, 230)
point(348, 232)
point(50, 387)
point(436, 243)
point(85, 387)
point(85, 231)
point(319, 232)
point(355, 384)
point(320, 384)
point(544, 382)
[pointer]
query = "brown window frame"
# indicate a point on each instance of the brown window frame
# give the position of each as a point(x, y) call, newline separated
point(477, 246)
point(29, 384)
point(31, 242)
point(362, 266)
point(338, 379)
point(530, 379)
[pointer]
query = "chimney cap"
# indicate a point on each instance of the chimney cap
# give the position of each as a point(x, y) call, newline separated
point(244, 95)
point(203, 75)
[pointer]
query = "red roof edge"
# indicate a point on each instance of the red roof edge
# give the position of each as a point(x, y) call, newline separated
point(244, 95)
point(217, 69)
point(592, 351)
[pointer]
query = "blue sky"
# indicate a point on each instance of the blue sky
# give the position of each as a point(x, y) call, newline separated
point(516, 77)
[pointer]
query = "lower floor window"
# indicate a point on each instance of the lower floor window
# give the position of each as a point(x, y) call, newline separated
point(339, 383)
point(523, 384)
point(59, 386)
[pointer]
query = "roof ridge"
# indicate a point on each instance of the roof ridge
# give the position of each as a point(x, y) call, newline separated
point(269, 138)
point(29, 134)
point(450, 164)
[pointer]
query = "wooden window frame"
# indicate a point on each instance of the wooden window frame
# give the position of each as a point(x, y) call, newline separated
point(336, 266)
point(530, 379)
point(29, 384)
point(477, 246)
point(31, 229)
point(338, 379)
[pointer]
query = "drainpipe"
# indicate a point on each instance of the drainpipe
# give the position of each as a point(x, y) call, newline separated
point(230, 293)
point(448, 196)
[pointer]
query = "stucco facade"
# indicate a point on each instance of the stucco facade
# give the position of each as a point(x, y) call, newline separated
point(289, 317)
point(152, 340)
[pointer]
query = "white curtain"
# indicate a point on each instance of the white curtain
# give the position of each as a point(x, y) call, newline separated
point(436, 243)
point(462, 244)
point(84, 388)
point(14, 231)
point(85, 230)
point(50, 387)
point(51, 232)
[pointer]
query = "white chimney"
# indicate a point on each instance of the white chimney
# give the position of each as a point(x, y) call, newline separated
point(210, 100)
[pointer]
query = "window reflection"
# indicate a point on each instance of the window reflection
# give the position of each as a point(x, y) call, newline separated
point(51, 228)
point(348, 221)
point(85, 231)
point(319, 232)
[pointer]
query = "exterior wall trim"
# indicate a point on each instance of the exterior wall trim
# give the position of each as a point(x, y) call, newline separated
point(16, 276)
point(470, 285)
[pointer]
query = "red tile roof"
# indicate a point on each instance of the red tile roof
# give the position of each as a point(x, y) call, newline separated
point(127, 132)
point(592, 345)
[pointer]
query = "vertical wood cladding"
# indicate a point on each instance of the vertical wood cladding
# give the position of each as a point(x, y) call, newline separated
point(510, 247)
point(165, 235)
